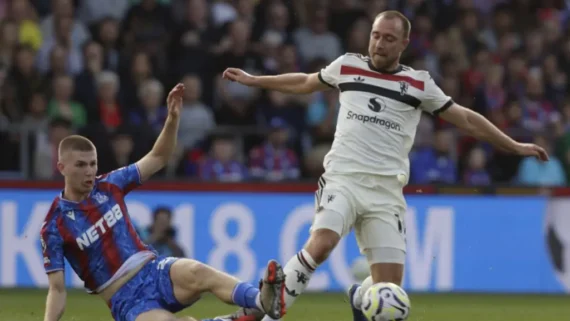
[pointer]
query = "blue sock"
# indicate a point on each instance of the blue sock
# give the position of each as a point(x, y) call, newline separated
point(245, 295)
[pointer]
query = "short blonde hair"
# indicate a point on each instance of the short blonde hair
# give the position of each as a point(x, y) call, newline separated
point(393, 14)
point(75, 143)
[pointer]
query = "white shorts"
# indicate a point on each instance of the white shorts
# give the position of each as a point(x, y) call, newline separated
point(374, 205)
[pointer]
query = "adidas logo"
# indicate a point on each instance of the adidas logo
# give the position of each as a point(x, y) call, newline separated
point(359, 79)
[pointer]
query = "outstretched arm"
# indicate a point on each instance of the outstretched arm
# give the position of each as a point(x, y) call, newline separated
point(55, 303)
point(292, 83)
point(165, 144)
point(479, 127)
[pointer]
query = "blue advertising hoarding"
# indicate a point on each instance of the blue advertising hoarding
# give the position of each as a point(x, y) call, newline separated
point(455, 243)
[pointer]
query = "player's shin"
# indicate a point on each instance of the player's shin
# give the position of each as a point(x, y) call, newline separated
point(246, 296)
point(224, 286)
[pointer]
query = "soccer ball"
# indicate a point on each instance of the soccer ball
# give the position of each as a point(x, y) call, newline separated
point(386, 302)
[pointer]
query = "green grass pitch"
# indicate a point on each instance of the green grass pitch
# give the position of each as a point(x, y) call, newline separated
point(28, 305)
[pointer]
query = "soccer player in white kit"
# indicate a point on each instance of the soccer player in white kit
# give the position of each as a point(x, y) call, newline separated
point(368, 166)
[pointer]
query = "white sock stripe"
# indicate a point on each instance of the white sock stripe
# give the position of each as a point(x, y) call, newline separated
point(306, 260)
point(309, 258)
point(303, 263)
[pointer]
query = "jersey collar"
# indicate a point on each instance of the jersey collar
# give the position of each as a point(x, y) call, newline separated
point(74, 203)
point(395, 71)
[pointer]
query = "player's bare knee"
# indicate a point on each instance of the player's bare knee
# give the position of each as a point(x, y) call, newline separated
point(321, 243)
point(197, 276)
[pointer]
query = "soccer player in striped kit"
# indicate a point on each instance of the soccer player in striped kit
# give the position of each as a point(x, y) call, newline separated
point(368, 165)
point(89, 225)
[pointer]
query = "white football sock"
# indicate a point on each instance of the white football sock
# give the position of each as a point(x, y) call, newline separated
point(357, 298)
point(298, 272)
point(258, 302)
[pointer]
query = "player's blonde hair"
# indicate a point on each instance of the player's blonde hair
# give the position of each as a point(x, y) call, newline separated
point(75, 143)
point(393, 14)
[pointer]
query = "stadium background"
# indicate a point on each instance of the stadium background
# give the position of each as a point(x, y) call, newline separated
point(479, 221)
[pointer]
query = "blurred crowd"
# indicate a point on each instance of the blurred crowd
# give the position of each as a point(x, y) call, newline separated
point(102, 68)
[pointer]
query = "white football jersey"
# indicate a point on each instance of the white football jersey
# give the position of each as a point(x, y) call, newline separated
point(379, 114)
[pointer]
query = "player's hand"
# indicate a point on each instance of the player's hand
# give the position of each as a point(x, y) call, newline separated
point(174, 100)
point(238, 75)
point(531, 150)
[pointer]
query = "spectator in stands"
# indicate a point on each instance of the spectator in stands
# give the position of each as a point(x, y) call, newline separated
point(86, 81)
point(222, 164)
point(22, 80)
point(153, 113)
point(433, 164)
point(36, 119)
point(236, 106)
point(193, 39)
point(108, 36)
point(322, 115)
point(61, 104)
point(316, 41)
point(291, 108)
point(276, 20)
point(61, 11)
point(146, 28)
point(555, 80)
point(274, 161)
point(8, 43)
point(268, 41)
point(45, 154)
point(196, 119)
point(108, 110)
point(538, 111)
point(162, 235)
point(122, 144)
point(29, 32)
point(140, 71)
point(223, 12)
point(491, 96)
point(358, 37)
point(94, 11)
point(536, 173)
point(476, 173)
point(57, 65)
point(62, 41)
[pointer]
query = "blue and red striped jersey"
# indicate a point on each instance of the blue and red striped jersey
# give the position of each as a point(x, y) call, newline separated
point(96, 236)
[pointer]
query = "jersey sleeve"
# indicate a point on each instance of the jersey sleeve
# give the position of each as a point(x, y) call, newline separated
point(52, 247)
point(330, 74)
point(126, 178)
point(435, 100)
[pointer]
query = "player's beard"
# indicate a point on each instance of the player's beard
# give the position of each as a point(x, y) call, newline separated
point(384, 62)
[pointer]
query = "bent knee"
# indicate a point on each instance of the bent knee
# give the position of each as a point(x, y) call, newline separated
point(191, 275)
point(321, 243)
